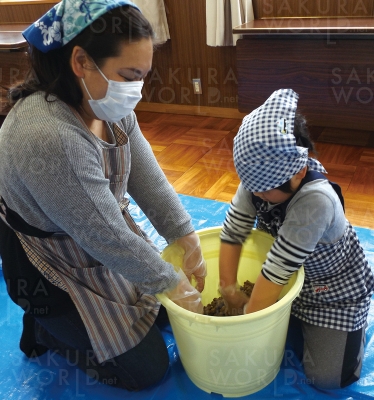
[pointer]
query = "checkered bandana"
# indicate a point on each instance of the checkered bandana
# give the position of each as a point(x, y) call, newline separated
point(265, 150)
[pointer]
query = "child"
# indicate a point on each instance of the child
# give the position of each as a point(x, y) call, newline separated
point(285, 190)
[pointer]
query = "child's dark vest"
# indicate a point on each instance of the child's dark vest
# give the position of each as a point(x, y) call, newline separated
point(271, 220)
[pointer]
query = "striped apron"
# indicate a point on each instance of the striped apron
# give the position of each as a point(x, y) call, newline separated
point(116, 314)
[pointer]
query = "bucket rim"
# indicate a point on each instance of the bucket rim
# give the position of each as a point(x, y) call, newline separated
point(285, 301)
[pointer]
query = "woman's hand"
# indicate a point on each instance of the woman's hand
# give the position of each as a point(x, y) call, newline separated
point(193, 262)
point(185, 295)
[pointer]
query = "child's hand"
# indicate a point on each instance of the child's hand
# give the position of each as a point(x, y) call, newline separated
point(235, 300)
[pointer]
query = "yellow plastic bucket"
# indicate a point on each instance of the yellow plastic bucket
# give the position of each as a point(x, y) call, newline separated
point(232, 356)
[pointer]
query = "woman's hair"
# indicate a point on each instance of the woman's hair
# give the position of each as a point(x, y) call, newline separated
point(51, 72)
point(301, 133)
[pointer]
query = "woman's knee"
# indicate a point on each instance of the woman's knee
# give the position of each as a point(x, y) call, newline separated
point(138, 368)
point(144, 375)
point(144, 365)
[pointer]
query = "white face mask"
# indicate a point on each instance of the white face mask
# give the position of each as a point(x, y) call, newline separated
point(120, 100)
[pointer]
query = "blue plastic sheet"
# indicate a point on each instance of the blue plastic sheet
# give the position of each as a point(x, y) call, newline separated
point(52, 377)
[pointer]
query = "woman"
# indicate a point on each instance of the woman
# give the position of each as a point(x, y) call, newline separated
point(71, 148)
point(286, 192)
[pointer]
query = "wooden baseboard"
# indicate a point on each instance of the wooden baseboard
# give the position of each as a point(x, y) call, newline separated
point(191, 110)
point(27, 2)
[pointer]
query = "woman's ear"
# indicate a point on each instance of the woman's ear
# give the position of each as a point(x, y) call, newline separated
point(78, 61)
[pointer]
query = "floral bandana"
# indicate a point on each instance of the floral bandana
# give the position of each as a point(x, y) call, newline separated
point(265, 150)
point(66, 20)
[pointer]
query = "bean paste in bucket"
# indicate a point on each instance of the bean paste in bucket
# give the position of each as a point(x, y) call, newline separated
point(217, 306)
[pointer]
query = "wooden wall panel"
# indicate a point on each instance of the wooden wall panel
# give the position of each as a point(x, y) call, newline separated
point(334, 78)
point(177, 62)
point(23, 13)
point(13, 67)
point(186, 56)
point(312, 8)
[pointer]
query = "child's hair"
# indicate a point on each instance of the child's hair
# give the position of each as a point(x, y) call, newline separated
point(51, 72)
point(302, 135)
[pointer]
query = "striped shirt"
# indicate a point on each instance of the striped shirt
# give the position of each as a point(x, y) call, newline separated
point(315, 233)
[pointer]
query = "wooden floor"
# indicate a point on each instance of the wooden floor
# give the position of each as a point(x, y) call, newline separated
point(195, 152)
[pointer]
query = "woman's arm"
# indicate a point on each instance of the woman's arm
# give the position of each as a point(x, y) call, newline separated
point(151, 190)
point(67, 190)
point(160, 203)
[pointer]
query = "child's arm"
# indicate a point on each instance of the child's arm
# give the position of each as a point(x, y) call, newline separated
point(265, 293)
point(236, 228)
point(228, 263)
point(235, 299)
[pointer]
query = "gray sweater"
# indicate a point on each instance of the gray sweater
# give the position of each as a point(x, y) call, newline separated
point(314, 217)
point(338, 282)
point(51, 175)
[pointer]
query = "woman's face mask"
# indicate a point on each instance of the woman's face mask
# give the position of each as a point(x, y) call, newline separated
point(120, 100)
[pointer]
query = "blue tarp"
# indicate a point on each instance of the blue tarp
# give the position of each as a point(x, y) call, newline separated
point(50, 377)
